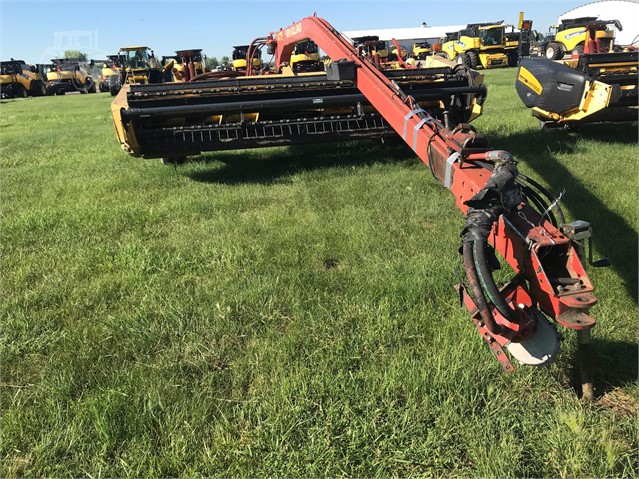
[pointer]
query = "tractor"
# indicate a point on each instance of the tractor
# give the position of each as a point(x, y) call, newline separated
point(20, 80)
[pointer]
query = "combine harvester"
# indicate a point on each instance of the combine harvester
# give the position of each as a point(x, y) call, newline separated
point(598, 85)
point(430, 109)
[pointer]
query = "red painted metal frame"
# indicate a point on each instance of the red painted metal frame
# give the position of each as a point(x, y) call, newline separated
point(533, 247)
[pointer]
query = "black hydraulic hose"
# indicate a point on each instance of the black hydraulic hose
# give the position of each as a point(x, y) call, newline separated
point(500, 195)
point(477, 292)
point(546, 193)
point(539, 203)
point(529, 191)
point(487, 282)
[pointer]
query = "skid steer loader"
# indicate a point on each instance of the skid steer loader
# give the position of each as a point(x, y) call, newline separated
point(19, 80)
point(66, 75)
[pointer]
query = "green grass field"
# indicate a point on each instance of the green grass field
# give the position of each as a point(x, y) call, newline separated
point(290, 311)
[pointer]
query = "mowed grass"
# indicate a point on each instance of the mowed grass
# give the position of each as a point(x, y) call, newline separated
point(290, 311)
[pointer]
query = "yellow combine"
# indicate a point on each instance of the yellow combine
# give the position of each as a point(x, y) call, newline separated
point(67, 75)
point(570, 36)
point(485, 45)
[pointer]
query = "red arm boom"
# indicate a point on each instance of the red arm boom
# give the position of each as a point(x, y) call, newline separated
point(556, 281)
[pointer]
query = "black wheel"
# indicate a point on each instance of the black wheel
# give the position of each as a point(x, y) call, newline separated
point(104, 86)
point(60, 92)
point(173, 160)
point(462, 59)
point(37, 88)
point(91, 87)
point(114, 84)
point(554, 51)
point(513, 59)
point(21, 92)
point(578, 50)
point(473, 58)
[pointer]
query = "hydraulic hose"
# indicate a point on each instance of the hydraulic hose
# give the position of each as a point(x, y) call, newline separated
point(500, 195)
point(484, 272)
point(528, 190)
point(478, 294)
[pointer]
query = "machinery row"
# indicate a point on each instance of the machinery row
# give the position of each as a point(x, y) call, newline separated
point(364, 90)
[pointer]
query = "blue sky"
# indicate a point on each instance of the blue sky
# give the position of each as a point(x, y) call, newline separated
point(36, 31)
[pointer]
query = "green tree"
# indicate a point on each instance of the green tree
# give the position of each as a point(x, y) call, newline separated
point(76, 54)
point(212, 62)
point(224, 61)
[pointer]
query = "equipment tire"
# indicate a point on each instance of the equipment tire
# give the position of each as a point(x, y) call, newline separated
point(462, 59)
point(578, 50)
point(513, 59)
point(174, 160)
point(554, 51)
point(38, 88)
point(473, 58)
point(21, 92)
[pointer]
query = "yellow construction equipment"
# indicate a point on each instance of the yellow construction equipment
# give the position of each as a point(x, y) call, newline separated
point(184, 65)
point(306, 57)
point(67, 75)
point(571, 35)
point(240, 62)
point(138, 66)
point(595, 87)
point(19, 80)
point(484, 45)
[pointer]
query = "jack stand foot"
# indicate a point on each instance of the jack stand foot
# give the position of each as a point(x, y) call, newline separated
point(585, 363)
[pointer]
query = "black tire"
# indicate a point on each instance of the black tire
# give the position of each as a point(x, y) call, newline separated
point(174, 160)
point(473, 58)
point(554, 51)
point(91, 87)
point(114, 84)
point(462, 59)
point(38, 88)
point(578, 50)
point(60, 92)
point(513, 59)
point(21, 92)
point(103, 86)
